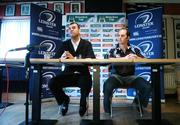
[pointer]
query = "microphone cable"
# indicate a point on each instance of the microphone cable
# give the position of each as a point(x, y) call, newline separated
point(7, 88)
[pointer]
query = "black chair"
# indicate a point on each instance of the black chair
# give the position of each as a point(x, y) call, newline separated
point(139, 105)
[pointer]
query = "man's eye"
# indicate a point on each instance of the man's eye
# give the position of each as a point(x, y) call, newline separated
point(73, 27)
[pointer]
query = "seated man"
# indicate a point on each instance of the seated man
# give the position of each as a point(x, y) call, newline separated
point(73, 75)
point(124, 74)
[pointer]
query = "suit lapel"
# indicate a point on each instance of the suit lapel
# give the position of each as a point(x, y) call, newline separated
point(71, 47)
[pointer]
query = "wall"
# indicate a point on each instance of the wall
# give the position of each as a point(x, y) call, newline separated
point(50, 5)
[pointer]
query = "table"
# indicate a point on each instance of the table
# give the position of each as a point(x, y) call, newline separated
point(96, 63)
point(156, 95)
point(36, 101)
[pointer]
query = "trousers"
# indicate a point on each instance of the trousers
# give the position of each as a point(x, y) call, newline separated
point(83, 81)
point(116, 81)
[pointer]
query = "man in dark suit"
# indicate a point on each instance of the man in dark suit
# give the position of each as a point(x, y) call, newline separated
point(73, 75)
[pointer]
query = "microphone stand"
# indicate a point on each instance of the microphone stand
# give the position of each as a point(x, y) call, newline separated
point(27, 67)
point(35, 103)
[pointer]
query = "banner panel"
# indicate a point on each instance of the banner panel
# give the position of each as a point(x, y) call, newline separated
point(146, 34)
point(46, 31)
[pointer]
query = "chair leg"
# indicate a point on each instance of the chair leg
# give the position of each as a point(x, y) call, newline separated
point(111, 114)
point(110, 106)
point(139, 105)
point(87, 106)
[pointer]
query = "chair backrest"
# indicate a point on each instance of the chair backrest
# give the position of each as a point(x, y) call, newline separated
point(139, 103)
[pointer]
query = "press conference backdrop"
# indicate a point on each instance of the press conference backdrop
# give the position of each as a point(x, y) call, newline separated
point(146, 34)
point(45, 30)
point(101, 30)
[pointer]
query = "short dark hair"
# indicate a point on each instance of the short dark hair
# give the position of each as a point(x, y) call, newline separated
point(75, 23)
point(126, 28)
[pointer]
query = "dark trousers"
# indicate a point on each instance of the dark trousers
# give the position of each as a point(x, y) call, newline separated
point(117, 81)
point(83, 81)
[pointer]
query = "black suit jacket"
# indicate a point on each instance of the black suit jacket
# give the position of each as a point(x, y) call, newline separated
point(84, 49)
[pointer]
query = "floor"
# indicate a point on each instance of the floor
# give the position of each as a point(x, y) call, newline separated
point(123, 112)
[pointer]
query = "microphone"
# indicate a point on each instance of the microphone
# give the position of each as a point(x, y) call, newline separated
point(29, 47)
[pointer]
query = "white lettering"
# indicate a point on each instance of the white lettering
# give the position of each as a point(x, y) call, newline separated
point(144, 25)
point(47, 23)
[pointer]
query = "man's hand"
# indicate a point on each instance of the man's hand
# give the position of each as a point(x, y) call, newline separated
point(67, 55)
point(132, 56)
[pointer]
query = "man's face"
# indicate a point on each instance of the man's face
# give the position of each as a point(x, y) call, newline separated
point(74, 30)
point(123, 38)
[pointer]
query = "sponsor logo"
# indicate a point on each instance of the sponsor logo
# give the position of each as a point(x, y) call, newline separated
point(119, 25)
point(105, 50)
point(84, 35)
point(95, 40)
point(116, 30)
point(145, 75)
point(99, 55)
point(96, 45)
point(72, 92)
point(84, 30)
point(95, 30)
point(120, 92)
point(47, 18)
point(143, 68)
point(107, 30)
point(84, 25)
point(144, 20)
point(107, 45)
point(107, 35)
point(46, 77)
point(97, 50)
point(95, 25)
point(146, 48)
point(50, 48)
point(107, 25)
point(107, 40)
point(95, 35)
